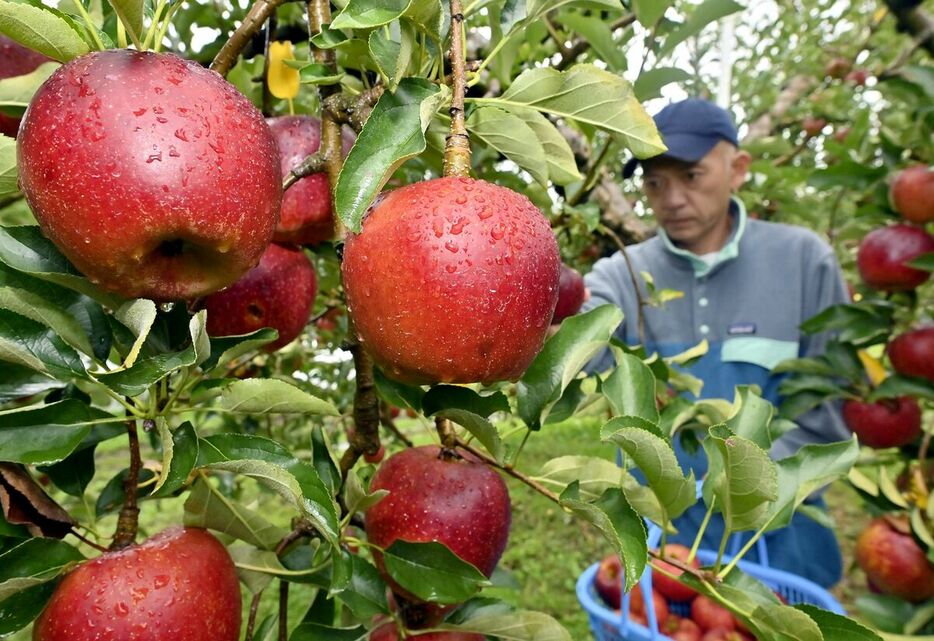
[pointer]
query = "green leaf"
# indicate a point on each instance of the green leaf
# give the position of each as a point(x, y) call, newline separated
point(41, 30)
point(562, 168)
point(309, 631)
point(356, 497)
point(33, 562)
point(225, 349)
point(534, 9)
point(179, 455)
point(630, 389)
point(113, 495)
point(17, 92)
point(648, 12)
point(619, 524)
point(593, 475)
point(808, 470)
point(518, 625)
point(836, 627)
point(365, 14)
point(512, 137)
point(655, 458)
point(147, 371)
point(366, 594)
point(273, 465)
point(271, 396)
point(393, 133)
point(23, 607)
point(25, 342)
point(598, 32)
point(469, 410)
point(752, 418)
point(923, 262)
point(847, 173)
point(578, 340)
point(709, 11)
point(741, 478)
point(899, 385)
point(393, 57)
point(138, 316)
point(25, 249)
point(47, 433)
point(586, 94)
point(206, 507)
point(130, 13)
point(9, 173)
point(74, 473)
point(432, 572)
point(323, 459)
point(649, 83)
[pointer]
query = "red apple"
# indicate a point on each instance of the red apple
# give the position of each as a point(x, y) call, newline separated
point(180, 584)
point(882, 255)
point(837, 68)
point(277, 293)
point(858, 77)
point(912, 353)
point(377, 457)
point(681, 629)
point(637, 606)
point(439, 496)
point(307, 216)
point(152, 174)
point(892, 560)
point(841, 134)
point(452, 280)
point(911, 194)
point(887, 423)
point(725, 634)
point(608, 581)
point(813, 126)
point(570, 294)
point(15, 60)
point(671, 588)
point(710, 615)
point(388, 632)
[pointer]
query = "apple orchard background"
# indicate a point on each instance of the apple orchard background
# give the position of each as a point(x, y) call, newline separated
point(833, 98)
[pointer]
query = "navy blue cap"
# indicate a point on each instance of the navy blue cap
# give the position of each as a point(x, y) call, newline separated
point(690, 129)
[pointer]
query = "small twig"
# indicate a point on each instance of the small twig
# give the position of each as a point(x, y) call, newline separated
point(457, 144)
point(709, 577)
point(549, 25)
point(511, 471)
point(387, 421)
point(794, 153)
point(365, 410)
point(257, 16)
point(87, 541)
point(128, 521)
point(352, 110)
point(251, 621)
point(312, 164)
point(641, 302)
point(578, 46)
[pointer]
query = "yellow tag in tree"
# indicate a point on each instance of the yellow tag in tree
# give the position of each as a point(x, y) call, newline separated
point(282, 79)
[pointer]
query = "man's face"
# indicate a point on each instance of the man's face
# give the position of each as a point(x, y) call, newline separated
point(691, 200)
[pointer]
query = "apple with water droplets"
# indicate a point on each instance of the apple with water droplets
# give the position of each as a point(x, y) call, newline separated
point(277, 293)
point(181, 584)
point(884, 252)
point(452, 280)
point(891, 422)
point(16, 60)
point(154, 176)
point(307, 215)
point(442, 496)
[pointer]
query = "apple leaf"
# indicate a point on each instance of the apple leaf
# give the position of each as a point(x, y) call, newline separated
point(271, 396)
point(41, 30)
point(655, 458)
point(25, 342)
point(356, 498)
point(924, 262)
point(9, 173)
point(741, 478)
point(586, 94)
point(512, 137)
point(147, 371)
point(527, 11)
point(619, 524)
point(25, 249)
point(707, 12)
point(179, 455)
point(47, 433)
point(366, 594)
point(594, 475)
point(274, 466)
point(649, 83)
point(432, 572)
point(563, 356)
point(518, 625)
point(311, 631)
point(393, 57)
point(33, 562)
point(256, 568)
point(323, 459)
point(17, 92)
point(469, 410)
point(648, 12)
point(393, 133)
point(74, 473)
point(207, 507)
point(225, 349)
point(80, 321)
point(598, 32)
point(809, 469)
point(365, 14)
point(113, 495)
point(900, 385)
point(836, 627)
point(752, 417)
point(562, 168)
point(630, 389)
point(130, 13)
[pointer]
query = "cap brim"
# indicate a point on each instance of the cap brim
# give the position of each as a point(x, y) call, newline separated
point(684, 147)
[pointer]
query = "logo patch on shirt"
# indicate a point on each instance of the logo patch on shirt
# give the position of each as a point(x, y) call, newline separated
point(740, 329)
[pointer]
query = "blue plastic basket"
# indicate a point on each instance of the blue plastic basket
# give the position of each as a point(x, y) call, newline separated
point(608, 625)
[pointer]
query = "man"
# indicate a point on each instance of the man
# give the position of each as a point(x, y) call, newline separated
point(748, 285)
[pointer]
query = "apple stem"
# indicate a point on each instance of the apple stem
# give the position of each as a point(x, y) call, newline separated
point(457, 144)
point(352, 110)
point(641, 302)
point(128, 521)
point(255, 18)
point(313, 164)
point(87, 541)
point(446, 432)
point(365, 437)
